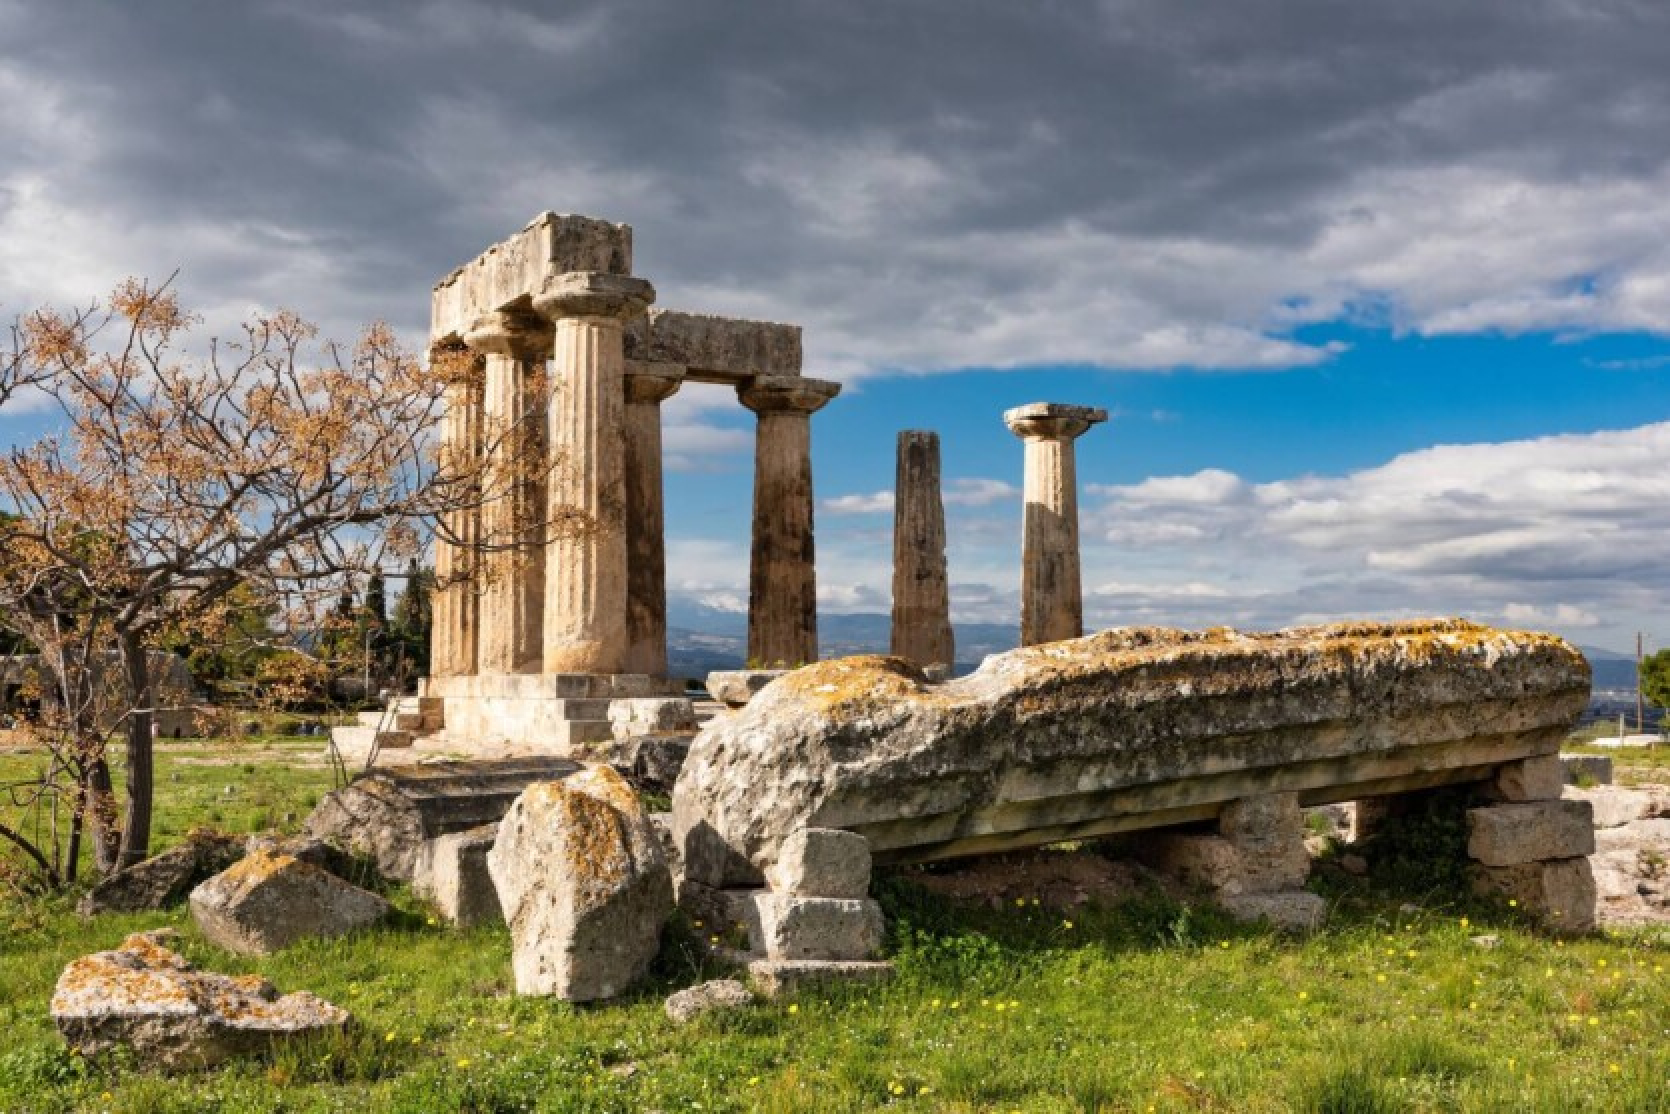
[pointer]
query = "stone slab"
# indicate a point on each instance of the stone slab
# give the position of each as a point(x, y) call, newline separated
point(452, 873)
point(1510, 834)
point(1288, 910)
point(714, 349)
point(822, 862)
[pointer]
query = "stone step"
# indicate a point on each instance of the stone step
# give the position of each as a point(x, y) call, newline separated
point(397, 721)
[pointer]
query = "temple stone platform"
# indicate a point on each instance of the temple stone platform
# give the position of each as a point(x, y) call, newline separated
point(555, 713)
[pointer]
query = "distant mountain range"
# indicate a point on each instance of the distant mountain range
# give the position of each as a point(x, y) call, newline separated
point(701, 639)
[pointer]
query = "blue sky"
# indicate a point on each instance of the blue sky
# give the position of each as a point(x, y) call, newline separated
point(1378, 294)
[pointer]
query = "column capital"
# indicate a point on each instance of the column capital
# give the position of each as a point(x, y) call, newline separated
point(593, 294)
point(652, 381)
point(1052, 421)
point(768, 393)
point(519, 335)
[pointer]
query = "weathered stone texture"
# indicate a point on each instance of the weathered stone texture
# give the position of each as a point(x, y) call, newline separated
point(783, 978)
point(452, 873)
point(1531, 779)
point(164, 879)
point(717, 349)
point(921, 630)
point(785, 927)
point(146, 997)
point(505, 274)
point(1131, 728)
point(1510, 834)
point(267, 902)
point(583, 884)
point(736, 687)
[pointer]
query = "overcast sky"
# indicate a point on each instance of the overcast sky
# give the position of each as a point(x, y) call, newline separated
point(1294, 246)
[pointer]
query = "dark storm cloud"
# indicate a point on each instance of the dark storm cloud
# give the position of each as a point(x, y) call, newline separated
point(926, 185)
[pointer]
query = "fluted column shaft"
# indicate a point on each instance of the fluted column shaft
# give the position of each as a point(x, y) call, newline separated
point(782, 575)
point(647, 386)
point(455, 606)
point(1052, 601)
point(585, 566)
point(921, 588)
point(512, 599)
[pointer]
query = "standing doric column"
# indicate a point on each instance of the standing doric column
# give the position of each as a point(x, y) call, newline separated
point(647, 386)
point(585, 566)
point(455, 606)
point(512, 598)
point(782, 579)
point(1052, 601)
point(921, 590)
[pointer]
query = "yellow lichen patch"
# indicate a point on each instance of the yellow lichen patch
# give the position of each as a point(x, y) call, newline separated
point(851, 686)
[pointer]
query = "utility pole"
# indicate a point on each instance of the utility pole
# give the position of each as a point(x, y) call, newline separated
point(1640, 723)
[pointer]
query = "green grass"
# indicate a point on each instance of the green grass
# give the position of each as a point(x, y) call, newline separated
point(1150, 1005)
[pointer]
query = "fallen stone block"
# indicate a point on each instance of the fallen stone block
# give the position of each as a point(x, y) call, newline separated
point(315, 852)
point(1561, 893)
point(452, 874)
point(1289, 910)
point(387, 814)
point(1510, 834)
point(147, 998)
point(651, 715)
point(822, 862)
point(734, 688)
point(266, 902)
point(1651, 834)
point(1595, 769)
point(1125, 730)
point(655, 760)
point(717, 996)
point(783, 927)
point(1614, 806)
point(164, 879)
point(778, 978)
point(583, 885)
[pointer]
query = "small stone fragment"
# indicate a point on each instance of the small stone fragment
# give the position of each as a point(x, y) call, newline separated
point(1288, 910)
point(266, 902)
point(719, 995)
point(174, 1017)
point(777, 978)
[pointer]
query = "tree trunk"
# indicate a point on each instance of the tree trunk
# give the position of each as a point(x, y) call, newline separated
point(136, 828)
point(101, 814)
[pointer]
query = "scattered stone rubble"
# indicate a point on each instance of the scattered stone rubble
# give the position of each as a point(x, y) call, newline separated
point(164, 879)
point(146, 997)
point(717, 996)
point(267, 902)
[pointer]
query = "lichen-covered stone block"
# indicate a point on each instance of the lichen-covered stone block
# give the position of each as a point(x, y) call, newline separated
point(1560, 892)
point(267, 901)
point(784, 927)
point(822, 862)
point(1509, 834)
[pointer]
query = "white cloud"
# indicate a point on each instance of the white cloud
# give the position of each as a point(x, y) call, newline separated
point(878, 502)
point(973, 491)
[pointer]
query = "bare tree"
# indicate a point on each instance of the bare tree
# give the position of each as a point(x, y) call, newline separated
point(172, 487)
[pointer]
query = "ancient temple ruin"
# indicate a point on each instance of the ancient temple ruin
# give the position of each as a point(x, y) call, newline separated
point(537, 644)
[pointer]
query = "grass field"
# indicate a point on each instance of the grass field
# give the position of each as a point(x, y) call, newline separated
point(1151, 1005)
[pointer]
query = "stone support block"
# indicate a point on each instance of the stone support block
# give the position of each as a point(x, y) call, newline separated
point(1561, 892)
point(1052, 600)
point(794, 928)
point(1530, 779)
point(452, 873)
point(1511, 834)
point(822, 862)
point(774, 978)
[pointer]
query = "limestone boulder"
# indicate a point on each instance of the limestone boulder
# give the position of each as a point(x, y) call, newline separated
point(266, 902)
point(1614, 805)
point(145, 997)
point(584, 886)
point(1127, 729)
point(164, 879)
point(734, 688)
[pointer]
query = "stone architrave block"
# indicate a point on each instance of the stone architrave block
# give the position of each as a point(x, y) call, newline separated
point(1530, 779)
point(707, 344)
point(146, 997)
point(793, 928)
point(822, 862)
point(1510, 834)
point(1561, 892)
point(453, 874)
point(266, 902)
